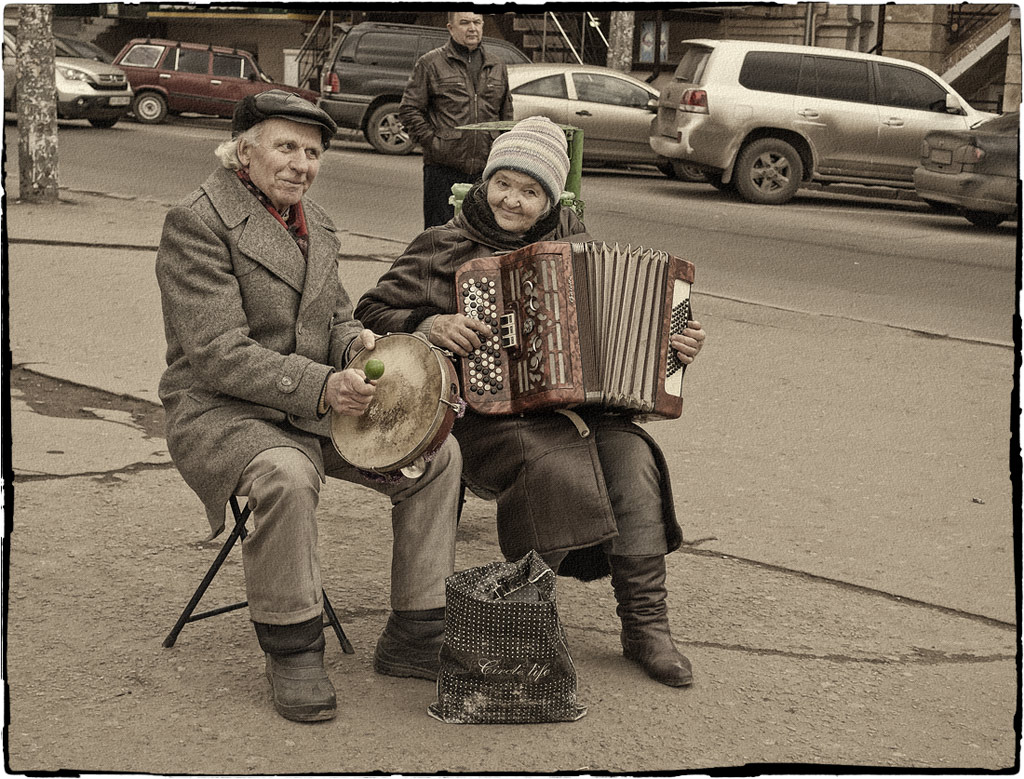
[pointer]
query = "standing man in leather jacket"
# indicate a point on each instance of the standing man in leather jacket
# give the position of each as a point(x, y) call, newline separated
point(453, 85)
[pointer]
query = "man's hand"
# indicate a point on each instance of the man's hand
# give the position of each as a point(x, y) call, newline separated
point(458, 333)
point(366, 339)
point(689, 342)
point(348, 393)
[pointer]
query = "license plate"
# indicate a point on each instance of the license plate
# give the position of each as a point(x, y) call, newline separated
point(118, 101)
point(942, 156)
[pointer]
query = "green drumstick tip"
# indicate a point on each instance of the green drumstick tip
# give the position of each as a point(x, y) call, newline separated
point(373, 369)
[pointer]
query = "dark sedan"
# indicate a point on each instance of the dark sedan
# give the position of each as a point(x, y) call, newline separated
point(973, 171)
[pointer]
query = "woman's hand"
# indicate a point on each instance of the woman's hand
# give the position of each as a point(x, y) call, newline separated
point(348, 392)
point(689, 342)
point(458, 333)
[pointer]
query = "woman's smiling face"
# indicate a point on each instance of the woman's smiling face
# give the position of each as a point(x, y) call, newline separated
point(516, 200)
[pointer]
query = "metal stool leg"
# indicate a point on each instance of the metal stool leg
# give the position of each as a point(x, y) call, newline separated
point(239, 532)
point(241, 515)
point(332, 620)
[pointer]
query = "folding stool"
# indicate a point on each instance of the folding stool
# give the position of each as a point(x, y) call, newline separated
point(239, 532)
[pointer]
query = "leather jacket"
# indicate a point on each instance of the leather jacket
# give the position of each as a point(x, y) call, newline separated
point(440, 97)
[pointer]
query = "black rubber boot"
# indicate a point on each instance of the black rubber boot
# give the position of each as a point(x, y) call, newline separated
point(410, 644)
point(301, 688)
point(639, 584)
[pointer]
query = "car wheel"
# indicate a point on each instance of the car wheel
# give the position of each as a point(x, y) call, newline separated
point(768, 172)
point(149, 107)
point(103, 122)
point(681, 170)
point(984, 218)
point(385, 133)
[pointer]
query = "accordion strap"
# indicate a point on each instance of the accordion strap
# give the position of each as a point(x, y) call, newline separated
point(576, 419)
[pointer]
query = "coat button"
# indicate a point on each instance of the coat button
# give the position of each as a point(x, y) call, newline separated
point(286, 382)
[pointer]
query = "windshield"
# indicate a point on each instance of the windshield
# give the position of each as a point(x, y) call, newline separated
point(72, 47)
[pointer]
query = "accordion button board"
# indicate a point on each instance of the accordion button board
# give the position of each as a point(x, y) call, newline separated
point(576, 324)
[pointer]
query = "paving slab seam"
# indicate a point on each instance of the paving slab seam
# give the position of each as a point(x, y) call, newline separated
point(130, 247)
point(918, 657)
point(127, 469)
point(858, 320)
point(991, 621)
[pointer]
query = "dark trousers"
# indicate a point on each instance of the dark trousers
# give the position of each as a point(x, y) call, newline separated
point(437, 188)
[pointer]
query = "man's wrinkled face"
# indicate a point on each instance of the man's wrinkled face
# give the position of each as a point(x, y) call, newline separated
point(467, 29)
point(284, 162)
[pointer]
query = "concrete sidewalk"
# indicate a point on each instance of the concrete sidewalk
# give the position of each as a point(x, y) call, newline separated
point(846, 590)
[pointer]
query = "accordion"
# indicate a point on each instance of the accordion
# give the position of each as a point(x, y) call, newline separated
point(576, 324)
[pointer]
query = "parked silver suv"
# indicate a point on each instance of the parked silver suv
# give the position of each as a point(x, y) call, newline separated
point(86, 88)
point(765, 118)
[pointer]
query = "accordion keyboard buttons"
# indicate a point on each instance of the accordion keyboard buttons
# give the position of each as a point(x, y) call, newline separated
point(479, 301)
point(680, 316)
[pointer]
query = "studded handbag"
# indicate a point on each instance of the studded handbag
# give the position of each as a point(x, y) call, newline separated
point(505, 658)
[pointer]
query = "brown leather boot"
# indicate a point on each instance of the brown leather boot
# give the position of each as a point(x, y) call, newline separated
point(301, 689)
point(639, 584)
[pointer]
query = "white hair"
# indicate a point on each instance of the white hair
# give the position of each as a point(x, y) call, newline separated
point(227, 152)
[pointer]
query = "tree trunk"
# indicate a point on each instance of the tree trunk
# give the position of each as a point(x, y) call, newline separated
point(36, 96)
point(620, 41)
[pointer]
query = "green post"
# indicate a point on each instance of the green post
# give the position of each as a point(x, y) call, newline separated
point(574, 182)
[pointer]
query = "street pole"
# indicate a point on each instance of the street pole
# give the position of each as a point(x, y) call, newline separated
point(36, 92)
point(620, 41)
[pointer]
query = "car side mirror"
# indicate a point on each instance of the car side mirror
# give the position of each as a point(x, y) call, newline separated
point(652, 105)
point(953, 105)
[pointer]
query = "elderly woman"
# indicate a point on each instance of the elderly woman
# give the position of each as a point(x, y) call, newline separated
point(584, 502)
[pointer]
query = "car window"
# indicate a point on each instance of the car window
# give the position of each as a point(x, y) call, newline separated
point(77, 48)
point(143, 55)
point(429, 43)
point(771, 71)
point(692, 64)
point(386, 50)
point(229, 65)
point(834, 78)
point(507, 54)
point(192, 61)
point(597, 88)
point(549, 86)
point(907, 88)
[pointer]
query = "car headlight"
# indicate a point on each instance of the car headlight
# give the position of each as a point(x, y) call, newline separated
point(72, 74)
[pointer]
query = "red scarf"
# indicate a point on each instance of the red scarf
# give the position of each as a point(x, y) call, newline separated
point(295, 224)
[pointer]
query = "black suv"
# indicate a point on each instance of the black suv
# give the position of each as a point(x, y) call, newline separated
point(366, 72)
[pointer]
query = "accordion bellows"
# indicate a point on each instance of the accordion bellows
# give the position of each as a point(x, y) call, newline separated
point(576, 324)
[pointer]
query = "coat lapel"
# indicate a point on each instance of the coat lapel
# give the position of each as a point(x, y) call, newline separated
point(323, 252)
point(263, 238)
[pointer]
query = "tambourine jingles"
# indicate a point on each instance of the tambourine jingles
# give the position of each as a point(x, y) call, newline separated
point(411, 414)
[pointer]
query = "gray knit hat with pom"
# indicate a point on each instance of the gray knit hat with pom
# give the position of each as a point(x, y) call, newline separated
point(536, 146)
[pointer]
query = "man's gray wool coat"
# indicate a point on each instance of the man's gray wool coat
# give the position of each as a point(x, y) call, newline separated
point(253, 330)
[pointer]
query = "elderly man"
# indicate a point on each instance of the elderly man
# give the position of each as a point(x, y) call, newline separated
point(259, 330)
point(456, 84)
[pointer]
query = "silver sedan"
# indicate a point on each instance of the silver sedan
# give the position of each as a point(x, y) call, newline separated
point(613, 109)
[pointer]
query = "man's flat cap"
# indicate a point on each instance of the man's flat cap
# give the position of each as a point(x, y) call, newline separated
point(279, 104)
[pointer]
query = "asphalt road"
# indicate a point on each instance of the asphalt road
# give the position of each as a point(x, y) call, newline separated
point(862, 258)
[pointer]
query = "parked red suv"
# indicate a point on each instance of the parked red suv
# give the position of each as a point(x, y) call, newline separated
point(176, 77)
